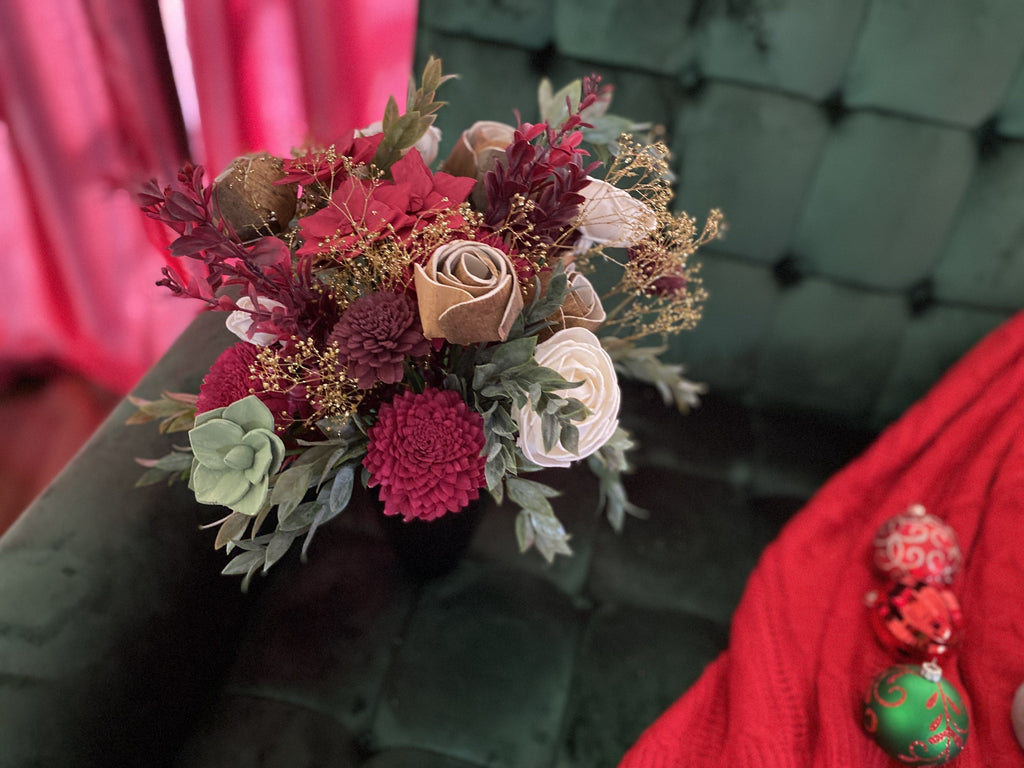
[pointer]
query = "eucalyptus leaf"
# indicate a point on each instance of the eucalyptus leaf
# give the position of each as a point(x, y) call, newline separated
point(289, 489)
point(569, 437)
point(549, 430)
point(260, 518)
point(154, 476)
point(174, 462)
point(550, 300)
point(555, 107)
point(302, 517)
point(243, 563)
point(512, 353)
point(232, 529)
point(277, 547)
point(524, 531)
point(550, 544)
point(322, 515)
point(530, 494)
point(341, 490)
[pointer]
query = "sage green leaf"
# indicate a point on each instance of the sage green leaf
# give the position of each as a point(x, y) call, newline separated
point(554, 107)
point(302, 517)
point(232, 529)
point(549, 430)
point(180, 423)
point(289, 489)
point(242, 563)
point(277, 547)
point(154, 476)
point(513, 353)
point(177, 461)
point(550, 538)
point(569, 437)
point(644, 364)
point(341, 490)
point(321, 516)
point(550, 301)
point(529, 494)
point(543, 531)
point(524, 531)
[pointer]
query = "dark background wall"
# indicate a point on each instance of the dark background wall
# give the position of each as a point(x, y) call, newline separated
point(869, 157)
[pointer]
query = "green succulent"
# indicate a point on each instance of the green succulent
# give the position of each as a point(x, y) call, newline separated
point(236, 451)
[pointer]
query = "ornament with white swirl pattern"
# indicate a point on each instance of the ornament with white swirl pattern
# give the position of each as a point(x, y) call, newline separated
point(915, 546)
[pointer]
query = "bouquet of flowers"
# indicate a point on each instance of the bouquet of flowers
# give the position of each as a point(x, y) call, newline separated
point(429, 334)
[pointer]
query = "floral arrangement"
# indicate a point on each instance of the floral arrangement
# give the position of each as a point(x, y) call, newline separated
point(429, 334)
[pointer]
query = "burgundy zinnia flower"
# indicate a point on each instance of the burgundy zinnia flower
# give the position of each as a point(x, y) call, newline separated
point(375, 334)
point(230, 378)
point(425, 454)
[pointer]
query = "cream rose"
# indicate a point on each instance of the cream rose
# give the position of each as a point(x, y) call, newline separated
point(426, 145)
point(240, 321)
point(576, 354)
point(468, 293)
point(476, 152)
point(582, 306)
point(478, 147)
point(613, 217)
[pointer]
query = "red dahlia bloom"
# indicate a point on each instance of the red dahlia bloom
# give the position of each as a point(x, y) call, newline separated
point(230, 378)
point(425, 454)
point(376, 333)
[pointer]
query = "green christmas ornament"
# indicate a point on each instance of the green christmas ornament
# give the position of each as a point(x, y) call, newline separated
point(915, 716)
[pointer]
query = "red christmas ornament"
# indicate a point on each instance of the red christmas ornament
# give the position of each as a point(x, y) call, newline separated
point(915, 546)
point(920, 621)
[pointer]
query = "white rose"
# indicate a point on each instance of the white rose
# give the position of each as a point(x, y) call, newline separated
point(576, 354)
point(239, 322)
point(427, 144)
point(613, 217)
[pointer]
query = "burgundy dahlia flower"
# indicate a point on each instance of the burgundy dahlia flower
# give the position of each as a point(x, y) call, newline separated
point(230, 378)
point(375, 334)
point(425, 454)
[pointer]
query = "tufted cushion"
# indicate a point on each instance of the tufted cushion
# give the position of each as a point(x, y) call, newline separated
point(868, 156)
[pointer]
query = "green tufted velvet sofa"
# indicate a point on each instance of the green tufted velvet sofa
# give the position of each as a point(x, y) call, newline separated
point(870, 159)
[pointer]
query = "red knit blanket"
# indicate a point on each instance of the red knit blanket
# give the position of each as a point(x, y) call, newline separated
point(802, 651)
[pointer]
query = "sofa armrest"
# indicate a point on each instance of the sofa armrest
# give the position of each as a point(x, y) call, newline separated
point(113, 617)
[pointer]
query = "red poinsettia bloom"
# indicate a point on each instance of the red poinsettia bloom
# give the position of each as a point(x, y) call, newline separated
point(353, 218)
point(230, 378)
point(425, 454)
point(375, 335)
point(361, 210)
point(315, 167)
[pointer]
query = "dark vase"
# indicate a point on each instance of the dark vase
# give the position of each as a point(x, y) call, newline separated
point(431, 549)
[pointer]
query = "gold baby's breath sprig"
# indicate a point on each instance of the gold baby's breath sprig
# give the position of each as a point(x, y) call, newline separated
point(316, 372)
point(643, 170)
point(659, 291)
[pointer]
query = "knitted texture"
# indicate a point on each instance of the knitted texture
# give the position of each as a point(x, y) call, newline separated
point(788, 690)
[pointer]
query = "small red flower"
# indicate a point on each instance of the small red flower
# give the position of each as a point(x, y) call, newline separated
point(425, 454)
point(376, 333)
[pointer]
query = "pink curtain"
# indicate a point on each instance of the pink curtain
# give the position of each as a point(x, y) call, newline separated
point(88, 110)
point(271, 74)
point(86, 115)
